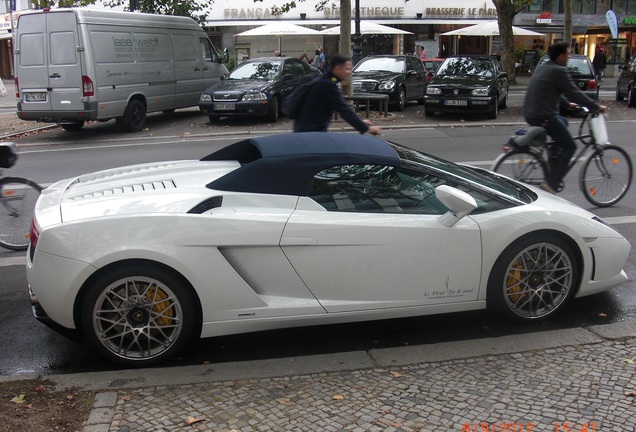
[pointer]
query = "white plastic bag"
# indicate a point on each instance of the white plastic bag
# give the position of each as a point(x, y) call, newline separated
point(599, 129)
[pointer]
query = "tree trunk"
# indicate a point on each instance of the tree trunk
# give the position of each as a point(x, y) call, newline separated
point(567, 28)
point(505, 14)
point(345, 40)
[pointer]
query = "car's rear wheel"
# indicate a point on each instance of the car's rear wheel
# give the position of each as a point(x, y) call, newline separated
point(533, 278)
point(135, 116)
point(138, 315)
point(504, 102)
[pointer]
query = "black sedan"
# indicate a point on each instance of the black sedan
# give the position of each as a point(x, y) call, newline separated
point(582, 72)
point(255, 88)
point(468, 84)
point(402, 77)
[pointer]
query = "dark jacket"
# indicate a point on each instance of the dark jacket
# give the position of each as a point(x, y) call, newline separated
point(600, 61)
point(550, 81)
point(321, 101)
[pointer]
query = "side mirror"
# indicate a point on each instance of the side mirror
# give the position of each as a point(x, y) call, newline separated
point(503, 74)
point(459, 204)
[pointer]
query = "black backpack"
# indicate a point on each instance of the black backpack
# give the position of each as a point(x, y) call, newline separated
point(294, 101)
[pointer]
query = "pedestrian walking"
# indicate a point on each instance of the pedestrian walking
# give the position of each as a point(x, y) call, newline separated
point(600, 63)
point(316, 62)
point(324, 98)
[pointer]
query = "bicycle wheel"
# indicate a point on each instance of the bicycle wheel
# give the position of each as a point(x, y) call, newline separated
point(606, 176)
point(17, 202)
point(521, 165)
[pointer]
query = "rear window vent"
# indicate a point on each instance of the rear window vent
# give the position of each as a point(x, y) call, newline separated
point(128, 189)
point(207, 205)
point(114, 173)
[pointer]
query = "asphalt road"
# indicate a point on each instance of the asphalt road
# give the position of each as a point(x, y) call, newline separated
point(29, 347)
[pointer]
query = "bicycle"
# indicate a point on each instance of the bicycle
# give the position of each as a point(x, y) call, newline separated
point(17, 202)
point(605, 175)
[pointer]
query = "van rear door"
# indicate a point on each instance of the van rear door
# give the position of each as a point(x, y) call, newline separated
point(50, 71)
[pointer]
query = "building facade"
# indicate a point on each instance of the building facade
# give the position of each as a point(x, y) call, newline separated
point(426, 20)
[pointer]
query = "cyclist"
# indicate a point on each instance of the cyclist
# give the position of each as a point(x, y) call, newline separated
point(551, 86)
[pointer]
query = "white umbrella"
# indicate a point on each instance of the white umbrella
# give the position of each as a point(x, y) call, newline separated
point(489, 28)
point(279, 29)
point(367, 27)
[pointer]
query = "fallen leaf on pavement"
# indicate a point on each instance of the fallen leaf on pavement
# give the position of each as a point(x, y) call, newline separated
point(39, 389)
point(70, 397)
point(18, 399)
point(396, 374)
point(629, 361)
point(338, 397)
point(191, 420)
point(630, 393)
point(125, 397)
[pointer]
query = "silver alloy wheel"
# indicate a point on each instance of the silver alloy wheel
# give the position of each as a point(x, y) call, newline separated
point(538, 280)
point(137, 318)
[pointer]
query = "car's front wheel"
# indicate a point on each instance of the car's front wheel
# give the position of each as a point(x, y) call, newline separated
point(533, 278)
point(631, 97)
point(492, 114)
point(401, 103)
point(272, 111)
point(138, 315)
point(619, 96)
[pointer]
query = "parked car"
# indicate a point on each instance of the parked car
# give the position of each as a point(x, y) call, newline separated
point(626, 82)
point(301, 229)
point(256, 87)
point(432, 64)
point(465, 83)
point(582, 72)
point(402, 77)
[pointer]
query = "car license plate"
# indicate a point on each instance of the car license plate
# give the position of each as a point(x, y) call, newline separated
point(225, 107)
point(35, 97)
point(457, 102)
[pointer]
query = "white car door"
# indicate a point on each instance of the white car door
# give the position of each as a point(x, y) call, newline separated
point(377, 249)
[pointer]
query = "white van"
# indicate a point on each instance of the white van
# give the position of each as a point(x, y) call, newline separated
point(75, 65)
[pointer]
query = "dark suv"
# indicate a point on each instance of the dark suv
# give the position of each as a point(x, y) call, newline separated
point(402, 77)
point(626, 83)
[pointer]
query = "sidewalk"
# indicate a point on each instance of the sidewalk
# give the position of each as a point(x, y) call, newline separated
point(584, 379)
point(412, 117)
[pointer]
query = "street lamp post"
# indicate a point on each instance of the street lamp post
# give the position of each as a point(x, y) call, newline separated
point(357, 37)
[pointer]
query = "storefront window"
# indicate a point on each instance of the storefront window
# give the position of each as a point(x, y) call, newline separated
point(536, 6)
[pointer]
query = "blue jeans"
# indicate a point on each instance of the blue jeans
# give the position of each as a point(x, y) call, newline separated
point(562, 150)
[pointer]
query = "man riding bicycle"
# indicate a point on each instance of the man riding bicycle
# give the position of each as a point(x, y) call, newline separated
point(550, 87)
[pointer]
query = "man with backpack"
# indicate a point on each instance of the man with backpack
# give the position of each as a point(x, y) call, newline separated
point(322, 98)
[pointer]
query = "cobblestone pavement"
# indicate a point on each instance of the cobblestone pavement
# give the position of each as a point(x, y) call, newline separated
point(578, 388)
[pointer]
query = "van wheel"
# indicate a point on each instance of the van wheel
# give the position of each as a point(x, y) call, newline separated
point(272, 113)
point(72, 127)
point(135, 116)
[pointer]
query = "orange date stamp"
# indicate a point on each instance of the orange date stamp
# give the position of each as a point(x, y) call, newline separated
point(526, 427)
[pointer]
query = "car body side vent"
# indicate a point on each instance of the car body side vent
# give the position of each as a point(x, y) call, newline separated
point(207, 205)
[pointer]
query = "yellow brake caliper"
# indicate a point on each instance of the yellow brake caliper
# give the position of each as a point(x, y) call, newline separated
point(164, 308)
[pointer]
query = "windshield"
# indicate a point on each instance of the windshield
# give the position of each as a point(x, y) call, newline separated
point(250, 71)
point(579, 66)
point(494, 182)
point(467, 66)
point(387, 64)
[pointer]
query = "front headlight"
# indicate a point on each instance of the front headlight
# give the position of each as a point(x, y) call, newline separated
point(205, 98)
point(388, 85)
point(433, 91)
point(255, 97)
point(480, 92)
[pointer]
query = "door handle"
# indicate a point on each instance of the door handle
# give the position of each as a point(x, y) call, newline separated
point(55, 75)
point(205, 68)
point(196, 69)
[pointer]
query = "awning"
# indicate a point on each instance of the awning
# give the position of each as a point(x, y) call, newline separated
point(5, 35)
point(334, 22)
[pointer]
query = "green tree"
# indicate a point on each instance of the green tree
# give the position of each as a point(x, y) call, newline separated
point(506, 12)
point(195, 9)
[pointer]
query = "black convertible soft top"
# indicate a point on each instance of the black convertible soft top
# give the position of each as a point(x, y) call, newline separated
point(286, 164)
